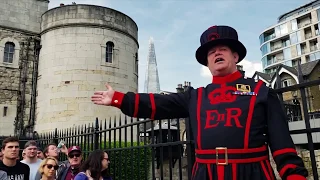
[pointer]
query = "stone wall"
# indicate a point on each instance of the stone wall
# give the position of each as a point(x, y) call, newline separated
point(16, 82)
point(73, 64)
point(24, 15)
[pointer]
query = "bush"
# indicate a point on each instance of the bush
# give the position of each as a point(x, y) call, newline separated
point(126, 161)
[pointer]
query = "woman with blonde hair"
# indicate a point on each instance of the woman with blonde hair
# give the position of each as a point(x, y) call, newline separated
point(48, 168)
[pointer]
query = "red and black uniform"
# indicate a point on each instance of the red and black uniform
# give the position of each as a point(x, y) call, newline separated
point(234, 120)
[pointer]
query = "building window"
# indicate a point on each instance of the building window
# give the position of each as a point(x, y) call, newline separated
point(8, 52)
point(295, 37)
point(299, 50)
point(287, 53)
point(136, 63)
point(286, 83)
point(5, 111)
point(109, 52)
point(294, 25)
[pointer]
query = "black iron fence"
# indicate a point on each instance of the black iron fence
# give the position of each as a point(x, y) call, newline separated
point(300, 110)
point(144, 149)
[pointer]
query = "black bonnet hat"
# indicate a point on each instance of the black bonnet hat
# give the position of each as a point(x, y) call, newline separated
point(219, 35)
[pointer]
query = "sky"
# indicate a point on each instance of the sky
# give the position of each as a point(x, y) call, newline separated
point(176, 26)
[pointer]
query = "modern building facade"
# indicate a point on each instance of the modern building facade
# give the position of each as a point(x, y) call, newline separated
point(295, 38)
point(152, 84)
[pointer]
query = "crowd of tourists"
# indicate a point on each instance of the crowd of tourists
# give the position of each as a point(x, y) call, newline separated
point(38, 164)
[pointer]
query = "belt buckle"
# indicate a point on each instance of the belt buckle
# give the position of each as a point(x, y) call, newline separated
point(225, 158)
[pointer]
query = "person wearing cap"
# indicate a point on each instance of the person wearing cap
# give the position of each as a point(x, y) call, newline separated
point(69, 169)
point(234, 119)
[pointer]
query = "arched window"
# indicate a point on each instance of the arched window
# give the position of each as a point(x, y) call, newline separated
point(109, 52)
point(8, 52)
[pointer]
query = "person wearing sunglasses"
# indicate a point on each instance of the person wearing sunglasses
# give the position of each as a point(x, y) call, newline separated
point(48, 168)
point(92, 169)
point(69, 169)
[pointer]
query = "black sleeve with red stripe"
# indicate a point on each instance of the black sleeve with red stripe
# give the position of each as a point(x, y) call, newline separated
point(153, 106)
point(289, 165)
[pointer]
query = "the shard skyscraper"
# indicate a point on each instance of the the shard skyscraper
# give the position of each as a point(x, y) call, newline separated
point(152, 84)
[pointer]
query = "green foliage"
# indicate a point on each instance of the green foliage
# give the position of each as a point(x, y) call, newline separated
point(127, 161)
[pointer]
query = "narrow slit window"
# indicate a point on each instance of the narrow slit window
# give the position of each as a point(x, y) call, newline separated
point(136, 63)
point(5, 111)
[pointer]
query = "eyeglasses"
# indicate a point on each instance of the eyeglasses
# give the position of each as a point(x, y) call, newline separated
point(50, 166)
point(107, 159)
point(74, 155)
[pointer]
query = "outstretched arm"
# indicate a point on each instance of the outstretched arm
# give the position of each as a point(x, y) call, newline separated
point(143, 105)
point(289, 165)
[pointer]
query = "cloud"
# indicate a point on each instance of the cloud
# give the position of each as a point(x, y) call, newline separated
point(248, 66)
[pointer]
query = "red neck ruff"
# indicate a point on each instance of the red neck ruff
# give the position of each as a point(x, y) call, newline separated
point(226, 79)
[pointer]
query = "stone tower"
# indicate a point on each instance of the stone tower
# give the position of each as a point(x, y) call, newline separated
point(152, 84)
point(19, 47)
point(83, 47)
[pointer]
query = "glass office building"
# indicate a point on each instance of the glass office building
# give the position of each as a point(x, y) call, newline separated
point(294, 38)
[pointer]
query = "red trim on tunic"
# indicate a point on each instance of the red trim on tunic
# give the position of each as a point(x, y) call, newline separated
point(234, 171)
point(220, 172)
point(283, 151)
point(250, 113)
point(264, 169)
point(153, 106)
point(248, 160)
point(286, 167)
point(199, 116)
point(117, 99)
point(209, 172)
point(296, 177)
point(231, 151)
point(193, 170)
point(270, 170)
point(226, 79)
point(136, 105)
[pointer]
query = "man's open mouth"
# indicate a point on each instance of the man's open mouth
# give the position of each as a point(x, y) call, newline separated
point(218, 60)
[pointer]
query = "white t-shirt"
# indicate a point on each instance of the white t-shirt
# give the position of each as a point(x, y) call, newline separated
point(34, 167)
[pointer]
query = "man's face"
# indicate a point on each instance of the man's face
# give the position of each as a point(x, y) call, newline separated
point(52, 151)
point(74, 158)
point(11, 150)
point(31, 151)
point(40, 155)
point(222, 61)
